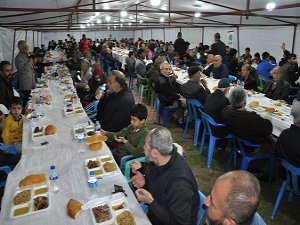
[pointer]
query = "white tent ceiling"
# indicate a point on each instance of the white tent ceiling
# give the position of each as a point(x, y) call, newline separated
point(63, 15)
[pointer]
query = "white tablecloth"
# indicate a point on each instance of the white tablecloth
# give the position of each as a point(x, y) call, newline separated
point(63, 152)
point(280, 123)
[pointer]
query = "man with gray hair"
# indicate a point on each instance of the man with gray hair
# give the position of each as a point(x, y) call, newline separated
point(168, 186)
point(287, 146)
point(25, 70)
point(234, 200)
point(219, 69)
point(245, 124)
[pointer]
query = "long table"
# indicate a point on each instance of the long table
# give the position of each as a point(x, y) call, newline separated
point(279, 123)
point(63, 152)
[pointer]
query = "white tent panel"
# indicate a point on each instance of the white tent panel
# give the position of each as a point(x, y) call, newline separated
point(158, 34)
point(261, 39)
point(192, 35)
point(297, 43)
point(6, 44)
point(29, 39)
point(209, 35)
point(146, 35)
point(171, 34)
point(137, 34)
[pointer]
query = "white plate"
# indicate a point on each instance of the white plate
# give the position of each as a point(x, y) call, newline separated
point(41, 135)
point(39, 116)
point(99, 170)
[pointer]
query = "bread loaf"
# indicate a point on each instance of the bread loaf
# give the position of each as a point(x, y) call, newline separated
point(95, 139)
point(270, 110)
point(74, 208)
point(33, 180)
point(95, 146)
point(254, 104)
point(50, 129)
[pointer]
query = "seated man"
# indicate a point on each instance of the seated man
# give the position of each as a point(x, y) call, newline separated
point(219, 69)
point(265, 66)
point(6, 88)
point(277, 88)
point(287, 146)
point(250, 83)
point(195, 87)
point(166, 85)
point(234, 200)
point(140, 66)
point(169, 186)
point(290, 71)
point(247, 125)
point(154, 71)
point(213, 107)
point(209, 64)
point(114, 63)
point(114, 107)
point(133, 136)
point(81, 80)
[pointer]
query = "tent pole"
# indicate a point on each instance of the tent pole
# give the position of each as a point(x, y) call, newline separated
point(202, 35)
point(238, 40)
point(13, 52)
point(33, 39)
point(294, 38)
point(26, 35)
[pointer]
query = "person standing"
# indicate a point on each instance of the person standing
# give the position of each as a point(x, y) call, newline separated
point(218, 48)
point(25, 70)
point(180, 45)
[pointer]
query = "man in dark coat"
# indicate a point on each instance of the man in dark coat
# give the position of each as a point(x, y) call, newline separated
point(195, 88)
point(169, 186)
point(6, 89)
point(218, 48)
point(114, 107)
point(250, 83)
point(180, 45)
point(277, 88)
point(219, 69)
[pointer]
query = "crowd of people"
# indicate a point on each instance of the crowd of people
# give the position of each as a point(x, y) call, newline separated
point(165, 182)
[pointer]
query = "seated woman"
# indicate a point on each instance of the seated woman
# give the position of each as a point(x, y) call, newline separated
point(97, 80)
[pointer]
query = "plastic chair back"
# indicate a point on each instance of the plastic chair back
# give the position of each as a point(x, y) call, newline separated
point(292, 177)
point(231, 78)
point(192, 105)
point(92, 107)
point(124, 159)
point(128, 169)
point(241, 143)
point(208, 121)
point(10, 148)
point(202, 207)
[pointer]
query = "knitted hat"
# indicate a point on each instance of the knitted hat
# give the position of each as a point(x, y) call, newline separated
point(296, 110)
point(223, 83)
point(193, 70)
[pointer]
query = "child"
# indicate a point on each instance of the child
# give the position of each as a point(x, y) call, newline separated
point(133, 136)
point(13, 128)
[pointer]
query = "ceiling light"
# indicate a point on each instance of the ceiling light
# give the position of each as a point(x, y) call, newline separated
point(164, 7)
point(91, 17)
point(106, 6)
point(141, 21)
point(137, 2)
point(121, 25)
point(108, 28)
point(162, 19)
point(270, 6)
point(97, 14)
point(197, 14)
point(129, 24)
point(123, 13)
point(107, 18)
point(155, 2)
point(92, 24)
point(82, 26)
point(98, 21)
point(122, 20)
point(130, 17)
point(141, 14)
point(88, 24)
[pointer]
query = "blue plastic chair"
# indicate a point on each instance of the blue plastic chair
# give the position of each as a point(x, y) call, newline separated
point(193, 115)
point(290, 184)
point(202, 207)
point(123, 161)
point(6, 169)
point(238, 148)
point(231, 78)
point(208, 122)
point(127, 168)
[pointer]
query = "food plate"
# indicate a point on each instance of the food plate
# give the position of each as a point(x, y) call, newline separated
point(38, 133)
point(30, 201)
point(113, 210)
point(86, 128)
point(103, 166)
point(71, 109)
point(40, 115)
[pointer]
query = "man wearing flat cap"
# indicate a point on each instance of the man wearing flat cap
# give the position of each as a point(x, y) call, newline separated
point(196, 87)
point(287, 146)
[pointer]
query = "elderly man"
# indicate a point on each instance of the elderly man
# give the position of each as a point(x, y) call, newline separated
point(6, 89)
point(287, 146)
point(276, 88)
point(81, 79)
point(250, 83)
point(245, 124)
point(25, 70)
point(114, 63)
point(168, 186)
point(196, 87)
point(218, 48)
point(234, 200)
point(166, 85)
point(209, 64)
point(213, 107)
point(219, 69)
point(114, 107)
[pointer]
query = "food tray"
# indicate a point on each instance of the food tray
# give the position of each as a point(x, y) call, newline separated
point(115, 205)
point(70, 109)
point(28, 207)
point(40, 135)
point(86, 128)
point(99, 168)
point(39, 116)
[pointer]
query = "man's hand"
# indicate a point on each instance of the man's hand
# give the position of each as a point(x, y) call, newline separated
point(143, 195)
point(135, 165)
point(120, 139)
point(103, 132)
point(204, 82)
point(138, 179)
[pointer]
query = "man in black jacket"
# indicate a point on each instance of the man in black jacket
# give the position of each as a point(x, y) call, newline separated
point(277, 88)
point(218, 48)
point(195, 88)
point(180, 45)
point(250, 82)
point(169, 186)
point(114, 107)
point(6, 88)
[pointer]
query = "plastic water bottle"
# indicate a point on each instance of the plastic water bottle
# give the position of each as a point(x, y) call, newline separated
point(294, 101)
point(97, 127)
point(80, 141)
point(53, 177)
point(92, 183)
point(34, 115)
point(41, 100)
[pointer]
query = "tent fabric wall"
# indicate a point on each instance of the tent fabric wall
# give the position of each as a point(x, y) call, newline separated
point(29, 39)
point(192, 35)
point(6, 44)
point(158, 34)
point(297, 44)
